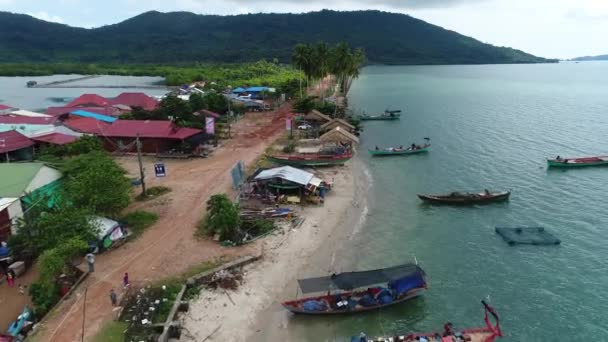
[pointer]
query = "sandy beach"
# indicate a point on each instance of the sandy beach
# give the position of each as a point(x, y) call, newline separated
point(247, 313)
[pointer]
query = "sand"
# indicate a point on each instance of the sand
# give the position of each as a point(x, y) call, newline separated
point(238, 315)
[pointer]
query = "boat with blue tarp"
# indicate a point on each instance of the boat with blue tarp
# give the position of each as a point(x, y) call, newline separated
point(359, 291)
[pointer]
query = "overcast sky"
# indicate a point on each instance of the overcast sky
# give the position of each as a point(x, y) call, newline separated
point(548, 28)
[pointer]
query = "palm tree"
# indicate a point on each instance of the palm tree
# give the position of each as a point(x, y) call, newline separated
point(302, 57)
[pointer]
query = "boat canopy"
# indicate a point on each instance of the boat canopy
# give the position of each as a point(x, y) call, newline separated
point(353, 280)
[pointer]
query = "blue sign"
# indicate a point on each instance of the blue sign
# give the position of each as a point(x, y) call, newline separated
point(159, 170)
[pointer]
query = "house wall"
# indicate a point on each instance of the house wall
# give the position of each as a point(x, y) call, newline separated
point(15, 211)
point(148, 145)
point(5, 225)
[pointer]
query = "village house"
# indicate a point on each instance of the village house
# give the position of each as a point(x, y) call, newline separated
point(15, 146)
point(328, 126)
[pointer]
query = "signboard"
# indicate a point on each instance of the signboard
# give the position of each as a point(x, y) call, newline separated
point(210, 125)
point(159, 170)
point(288, 124)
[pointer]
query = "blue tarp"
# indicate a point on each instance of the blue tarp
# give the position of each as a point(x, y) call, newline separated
point(314, 305)
point(402, 285)
point(238, 90)
point(4, 252)
point(95, 116)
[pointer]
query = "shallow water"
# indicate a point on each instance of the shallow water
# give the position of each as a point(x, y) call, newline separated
point(491, 127)
point(13, 90)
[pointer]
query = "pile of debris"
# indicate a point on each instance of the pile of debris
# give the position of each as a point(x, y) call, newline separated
point(227, 280)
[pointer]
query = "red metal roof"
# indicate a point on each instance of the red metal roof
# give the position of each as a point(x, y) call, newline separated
point(205, 112)
point(149, 129)
point(87, 125)
point(135, 100)
point(4, 107)
point(13, 141)
point(26, 120)
point(89, 100)
point(56, 138)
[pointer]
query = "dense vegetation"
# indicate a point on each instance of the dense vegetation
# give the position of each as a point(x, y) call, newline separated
point(93, 184)
point(260, 73)
point(181, 37)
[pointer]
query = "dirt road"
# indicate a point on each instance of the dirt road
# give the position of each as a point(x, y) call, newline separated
point(168, 248)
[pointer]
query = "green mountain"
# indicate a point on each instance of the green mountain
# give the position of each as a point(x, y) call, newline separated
point(155, 37)
point(591, 58)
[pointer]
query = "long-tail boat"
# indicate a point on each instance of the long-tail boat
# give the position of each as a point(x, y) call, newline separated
point(466, 198)
point(387, 115)
point(308, 159)
point(489, 333)
point(399, 284)
point(396, 151)
point(578, 162)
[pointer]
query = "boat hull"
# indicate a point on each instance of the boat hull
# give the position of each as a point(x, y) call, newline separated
point(578, 162)
point(315, 160)
point(384, 153)
point(296, 310)
point(434, 199)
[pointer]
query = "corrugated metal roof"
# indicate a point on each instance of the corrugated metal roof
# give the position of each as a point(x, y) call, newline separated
point(86, 125)
point(22, 112)
point(95, 116)
point(135, 100)
point(12, 141)
point(56, 138)
point(287, 173)
point(16, 177)
point(91, 100)
point(4, 107)
point(19, 119)
point(149, 129)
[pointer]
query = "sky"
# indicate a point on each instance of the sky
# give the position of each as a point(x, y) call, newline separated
point(547, 28)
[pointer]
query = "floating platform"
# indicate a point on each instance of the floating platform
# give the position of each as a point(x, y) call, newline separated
point(527, 236)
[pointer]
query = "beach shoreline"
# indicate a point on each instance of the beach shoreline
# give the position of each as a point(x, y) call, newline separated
point(253, 311)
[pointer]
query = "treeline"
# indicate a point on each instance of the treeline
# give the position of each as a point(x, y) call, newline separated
point(260, 73)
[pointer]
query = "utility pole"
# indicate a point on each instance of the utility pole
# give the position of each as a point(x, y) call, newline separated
point(141, 168)
point(84, 311)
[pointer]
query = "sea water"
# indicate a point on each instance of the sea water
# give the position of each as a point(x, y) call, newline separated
point(491, 126)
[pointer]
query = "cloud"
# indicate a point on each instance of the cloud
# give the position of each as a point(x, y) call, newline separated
point(42, 15)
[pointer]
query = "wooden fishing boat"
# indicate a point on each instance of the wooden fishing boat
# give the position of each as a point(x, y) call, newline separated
point(307, 159)
point(578, 162)
point(387, 115)
point(392, 151)
point(489, 333)
point(401, 283)
point(466, 198)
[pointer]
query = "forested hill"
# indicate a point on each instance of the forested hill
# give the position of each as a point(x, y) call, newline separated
point(591, 58)
point(155, 37)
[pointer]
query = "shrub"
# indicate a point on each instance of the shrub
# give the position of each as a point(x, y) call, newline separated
point(153, 192)
point(139, 220)
point(290, 148)
point(222, 218)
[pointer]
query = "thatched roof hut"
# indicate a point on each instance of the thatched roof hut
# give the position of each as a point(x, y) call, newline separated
point(338, 123)
point(339, 135)
point(315, 115)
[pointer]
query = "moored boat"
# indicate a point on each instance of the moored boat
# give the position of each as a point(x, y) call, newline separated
point(395, 151)
point(489, 333)
point(387, 115)
point(307, 159)
point(465, 198)
point(400, 283)
point(578, 162)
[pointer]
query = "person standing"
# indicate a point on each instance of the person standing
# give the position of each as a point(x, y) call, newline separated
point(91, 262)
point(113, 297)
point(125, 280)
point(10, 278)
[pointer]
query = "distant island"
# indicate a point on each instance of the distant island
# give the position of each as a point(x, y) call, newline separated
point(591, 58)
point(183, 37)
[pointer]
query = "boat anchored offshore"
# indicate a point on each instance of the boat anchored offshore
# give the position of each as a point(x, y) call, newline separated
point(466, 198)
point(387, 115)
point(489, 333)
point(400, 283)
point(396, 151)
point(578, 162)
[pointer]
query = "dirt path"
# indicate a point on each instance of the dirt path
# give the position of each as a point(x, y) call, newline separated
point(168, 248)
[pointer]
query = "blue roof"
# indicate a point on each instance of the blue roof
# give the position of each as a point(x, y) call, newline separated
point(238, 90)
point(95, 116)
point(257, 89)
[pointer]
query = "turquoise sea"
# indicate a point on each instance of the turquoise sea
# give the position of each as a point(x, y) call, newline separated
point(492, 126)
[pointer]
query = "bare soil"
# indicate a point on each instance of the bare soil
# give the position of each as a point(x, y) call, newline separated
point(168, 248)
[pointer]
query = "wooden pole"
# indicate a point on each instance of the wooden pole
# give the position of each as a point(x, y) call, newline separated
point(141, 168)
point(84, 311)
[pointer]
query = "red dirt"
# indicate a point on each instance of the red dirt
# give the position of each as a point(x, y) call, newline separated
point(168, 248)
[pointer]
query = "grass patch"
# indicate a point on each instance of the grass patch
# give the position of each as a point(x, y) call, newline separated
point(152, 193)
point(112, 331)
point(139, 220)
point(160, 315)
